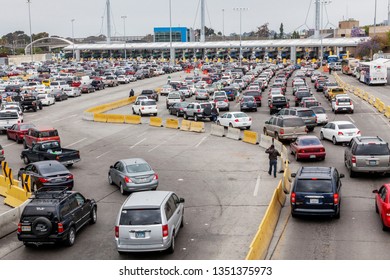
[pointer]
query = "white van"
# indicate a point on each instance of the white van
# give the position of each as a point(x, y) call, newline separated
point(86, 80)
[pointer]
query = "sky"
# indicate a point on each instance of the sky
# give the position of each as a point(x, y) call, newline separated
point(54, 16)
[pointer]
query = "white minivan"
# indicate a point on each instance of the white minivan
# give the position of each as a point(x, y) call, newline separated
point(145, 107)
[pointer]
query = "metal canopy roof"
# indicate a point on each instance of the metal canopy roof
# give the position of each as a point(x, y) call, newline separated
point(331, 42)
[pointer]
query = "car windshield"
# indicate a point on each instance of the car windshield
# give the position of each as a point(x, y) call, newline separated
point(318, 110)
point(140, 217)
point(138, 167)
point(372, 149)
point(8, 115)
point(346, 126)
point(308, 113)
point(309, 142)
point(293, 122)
point(314, 186)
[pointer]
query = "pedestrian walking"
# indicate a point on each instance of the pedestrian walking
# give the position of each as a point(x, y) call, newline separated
point(214, 113)
point(273, 155)
point(330, 70)
point(131, 93)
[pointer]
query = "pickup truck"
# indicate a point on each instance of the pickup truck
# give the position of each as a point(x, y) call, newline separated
point(31, 102)
point(50, 150)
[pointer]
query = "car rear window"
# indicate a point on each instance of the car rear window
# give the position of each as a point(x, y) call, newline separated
point(318, 110)
point(47, 169)
point(313, 186)
point(48, 133)
point(252, 93)
point(346, 126)
point(205, 105)
point(293, 122)
point(310, 141)
point(174, 96)
point(8, 115)
point(308, 113)
point(280, 99)
point(135, 168)
point(31, 211)
point(372, 149)
point(302, 94)
point(140, 217)
point(240, 115)
point(148, 102)
point(347, 100)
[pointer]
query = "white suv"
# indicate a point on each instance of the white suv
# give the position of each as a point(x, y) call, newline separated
point(145, 107)
point(342, 103)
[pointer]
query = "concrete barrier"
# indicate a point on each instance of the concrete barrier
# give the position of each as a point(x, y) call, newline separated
point(100, 118)
point(10, 219)
point(233, 133)
point(366, 96)
point(115, 118)
point(15, 196)
point(371, 99)
point(197, 127)
point(185, 125)
point(381, 107)
point(250, 137)
point(217, 130)
point(4, 185)
point(377, 101)
point(132, 119)
point(154, 121)
point(172, 123)
point(387, 112)
point(266, 141)
point(88, 116)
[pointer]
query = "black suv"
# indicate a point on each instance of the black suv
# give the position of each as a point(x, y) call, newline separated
point(98, 84)
point(31, 102)
point(278, 102)
point(55, 216)
point(151, 94)
point(316, 191)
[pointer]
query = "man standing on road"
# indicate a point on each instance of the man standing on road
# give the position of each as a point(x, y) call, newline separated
point(131, 93)
point(330, 69)
point(273, 155)
point(214, 113)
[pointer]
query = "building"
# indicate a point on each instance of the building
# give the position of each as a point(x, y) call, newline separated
point(179, 34)
point(346, 27)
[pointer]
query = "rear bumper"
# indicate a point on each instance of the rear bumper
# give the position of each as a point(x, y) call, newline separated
point(314, 212)
point(143, 247)
point(141, 187)
point(318, 155)
point(371, 169)
point(343, 109)
point(53, 238)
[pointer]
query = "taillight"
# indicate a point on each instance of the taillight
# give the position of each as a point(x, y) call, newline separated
point(199, 109)
point(336, 198)
point(128, 180)
point(337, 102)
point(60, 228)
point(70, 176)
point(270, 105)
point(358, 132)
point(57, 157)
point(322, 150)
point(306, 129)
point(226, 100)
point(155, 176)
point(340, 133)
point(301, 151)
point(142, 108)
point(236, 120)
point(116, 231)
point(292, 197)
point(2, 152)
point(165, 230)
point(353, 159)
point(19, 227)
point(281, 131)
point(296, 98)
point(288, 105)
point(43, 180)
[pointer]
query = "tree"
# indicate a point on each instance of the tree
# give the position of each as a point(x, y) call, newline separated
point(263, 31)
point(281, 31)
point(295, 35)
point(40, 35)
point(17, 36)
point(365, 49)
point(207, 32)
point(275, 36)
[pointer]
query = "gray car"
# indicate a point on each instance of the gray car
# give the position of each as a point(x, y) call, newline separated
point(149, 221)
point(285, 127)
point(133, 174)
point(367, 154)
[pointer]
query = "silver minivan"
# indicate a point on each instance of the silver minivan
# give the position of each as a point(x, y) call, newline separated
point(149, 221)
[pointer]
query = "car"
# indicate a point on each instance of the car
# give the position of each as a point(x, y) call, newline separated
point(39, 134)
point(307, 114)
point(111, 81)
point(55, 217)
point(59, 95)
point(47, 173)
point(316, 191)
point(2, 156)
point(145, 107)
point(31, 102)
point(201, 94)
point(178, 108)
point(308, 103)
point(75, 91)
point(88, 88)
point(222, 103)
point(231, 92)
point(150, 93)
point(339, 131)
point(307, 147)
point(17, 131)
point(277, 103)
point(98, 84)
point(123, 79)
point(8, 118)
point(235, 119)
point(256, 94)
point(333, 92)
point(322, 117)
point(172, 98)
point(301, 94)
point(382, 205)
point(165, 90)
point(185, 91)
point(248, 103)
point(46, 99)
point(367, 154)
point(133, 174)
point(149, 221)
point(219, 93)
point(285, 127)
point(198, 111)
point(342, 103)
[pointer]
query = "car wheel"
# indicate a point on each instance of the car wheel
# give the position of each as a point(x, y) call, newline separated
point(296, 156)
point(122, 190)
point(93, 216)
point(40, 106)
point(277, 136)
point(71, 238)
point(337, 216)
point(384, 228)
point(26, 160)
point(133, 111)
point(248, 127)
point(177, 114)
point(110, 179)
point(265, 132)
point(171, 248)
point(322, 136)
point(352, 174)
point(140, 113)
point(9, 138)
point(334, 141)
point(293, 215)
point(231, 125)
point(182, 220)
point(18, 140)
point(185, 116)
point(196, 118)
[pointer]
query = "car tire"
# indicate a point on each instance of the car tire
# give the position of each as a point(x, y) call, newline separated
point(384, 228)
point(140, 113)
point(296, 157)
point(9, 138)
point(337, 216)
point(195, 118)
point(321, 136)
point(121, 189)
point(177, 114)
point(277, 136)
point(71, 237)
point(231, 125)
point(40, 106)
point(110, 179)
point(26, 160)
point(18, 140)
point(248, 127)
point(45, 221)
point(334, 141)
point(265, 132)
point(134, 113)
point(155, 114)
point(171, 248)
point(185, 116)
point(293, 215)
point(93, 216)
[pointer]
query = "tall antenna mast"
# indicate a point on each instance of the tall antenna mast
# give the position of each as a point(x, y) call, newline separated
point(108, 22)
point(202, 20)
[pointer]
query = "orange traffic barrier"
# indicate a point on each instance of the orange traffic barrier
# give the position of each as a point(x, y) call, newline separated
point(250, 137)
point(16, 196)
point(115, 118)
point(197, 127)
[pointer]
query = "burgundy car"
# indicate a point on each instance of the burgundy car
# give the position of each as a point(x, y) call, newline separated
point(307, 147)
point(382, 205)
point(17, 131)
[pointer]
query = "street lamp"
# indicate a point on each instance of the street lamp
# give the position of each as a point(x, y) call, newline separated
point(31, 40)
point(240, 10)
point(323, 2)
point(171, 60)
point(124, 31)
point(72, 21)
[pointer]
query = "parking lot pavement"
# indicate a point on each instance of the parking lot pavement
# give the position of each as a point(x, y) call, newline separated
point(3, 207)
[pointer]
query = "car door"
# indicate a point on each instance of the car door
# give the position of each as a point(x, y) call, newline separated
point(294, 146)
point(12, 131)
point(35, 154)
point(348, 152)
point(381, 199)
point(174, 220)
point(84, 208)
point(136, 106)
point(115, 176)
point(329, 131)
point(76, 211)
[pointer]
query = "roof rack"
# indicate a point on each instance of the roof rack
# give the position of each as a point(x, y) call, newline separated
point(51, 192)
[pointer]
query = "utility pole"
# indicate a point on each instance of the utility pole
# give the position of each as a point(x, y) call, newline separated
point(108, 22)
point(202, 20)
point(317, 19)
point(240, 10)
point(223, 24)
point(124, 31)
point(31, 40)
point(171, 52)
point(72, 20)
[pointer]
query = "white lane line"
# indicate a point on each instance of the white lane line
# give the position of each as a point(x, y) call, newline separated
point(201, 141)
point(74, 143)
point(71, 116)
point(141, 135)
point(9, 145)
point(163, 142)
point(256, 191)
point(103, 154)
point(351, 119)
point(139, 142)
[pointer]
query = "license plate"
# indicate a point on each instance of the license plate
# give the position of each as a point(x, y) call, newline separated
point(244, 123)
point(350, 134)
point(372, 162)
point(344, 109)
point(314, 200)
point(312, 156)
point(26, 228)
point(140, 234)
point(143, 180)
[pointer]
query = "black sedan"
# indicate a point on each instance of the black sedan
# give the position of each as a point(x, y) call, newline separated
point(178, 108)
point(98, 84)
point(48, 173)
point(248, 103)
point(87, 88)
point(60, 95)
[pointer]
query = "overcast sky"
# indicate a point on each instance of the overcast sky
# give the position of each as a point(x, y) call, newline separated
point(54, 16)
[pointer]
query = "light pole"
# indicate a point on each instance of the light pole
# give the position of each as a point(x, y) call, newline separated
point(240, 10)
point(171, 60)
point(375, 20)
point(323, 2)
point(31, 40)
point(72, 20)
point(124, 32)
point(223, 24)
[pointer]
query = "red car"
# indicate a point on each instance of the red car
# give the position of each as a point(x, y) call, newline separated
point(382, 205)
point(17, 131)
point(307, 147)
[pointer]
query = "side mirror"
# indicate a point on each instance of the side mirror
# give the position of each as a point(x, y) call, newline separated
point(375, 191)
point(293, 175)
point(182, 200)
point(22, 169)
point(266, 122)
point(111, 166)
point(342, 175)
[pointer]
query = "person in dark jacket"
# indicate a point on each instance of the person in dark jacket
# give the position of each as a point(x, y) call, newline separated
point(214, 113)
point(273, 155)
point(131, 93)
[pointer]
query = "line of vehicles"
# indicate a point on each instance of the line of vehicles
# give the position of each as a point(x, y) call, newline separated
point(369, 72)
